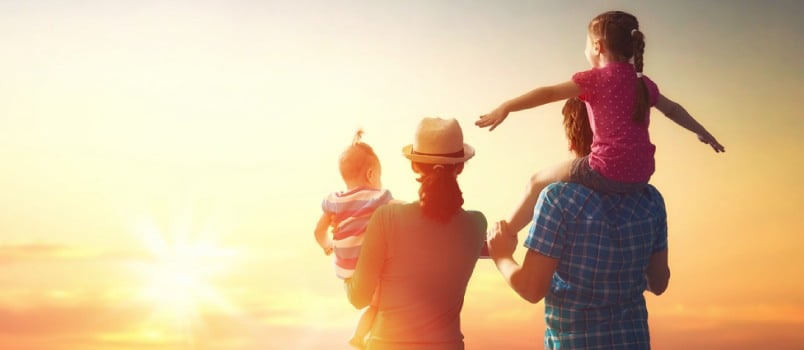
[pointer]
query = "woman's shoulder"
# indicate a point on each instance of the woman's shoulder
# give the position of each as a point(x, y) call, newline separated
point(476, 218)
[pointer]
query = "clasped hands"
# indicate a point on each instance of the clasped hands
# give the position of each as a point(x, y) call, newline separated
point(502, 243)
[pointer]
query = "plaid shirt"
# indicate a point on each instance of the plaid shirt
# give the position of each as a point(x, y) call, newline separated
point(603, 243)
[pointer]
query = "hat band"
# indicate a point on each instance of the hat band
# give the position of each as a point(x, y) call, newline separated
point(458, 154)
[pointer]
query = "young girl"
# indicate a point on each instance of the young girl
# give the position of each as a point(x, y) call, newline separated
point(348, 212)
point(618, 98)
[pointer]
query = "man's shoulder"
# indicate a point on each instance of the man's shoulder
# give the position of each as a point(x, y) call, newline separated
point(567, 193)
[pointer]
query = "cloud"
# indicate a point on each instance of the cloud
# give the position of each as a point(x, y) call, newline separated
point(10, 254)
point(52, 252)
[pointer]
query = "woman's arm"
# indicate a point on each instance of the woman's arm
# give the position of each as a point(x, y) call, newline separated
point(360, 288)
point(658, 273)
point(680, 116)
point(533, 98)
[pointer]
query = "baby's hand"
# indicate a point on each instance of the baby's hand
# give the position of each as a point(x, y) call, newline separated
point(492, 119)
point(710, 140)
point(327, 246)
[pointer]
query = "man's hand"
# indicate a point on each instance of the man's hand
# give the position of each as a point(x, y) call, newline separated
point(502, 243)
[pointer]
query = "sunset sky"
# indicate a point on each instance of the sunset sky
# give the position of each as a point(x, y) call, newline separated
point(162, 163)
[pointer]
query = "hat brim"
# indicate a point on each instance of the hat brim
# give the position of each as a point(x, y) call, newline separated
point(468, 153)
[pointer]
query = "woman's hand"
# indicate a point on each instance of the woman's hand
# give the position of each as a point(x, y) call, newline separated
point(502, 243)
point(492, 119)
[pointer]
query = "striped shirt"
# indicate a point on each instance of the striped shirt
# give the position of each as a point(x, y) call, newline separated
point(603, 243)
point(351, 211)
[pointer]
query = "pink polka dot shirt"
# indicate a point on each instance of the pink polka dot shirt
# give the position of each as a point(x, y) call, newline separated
point(621, 147)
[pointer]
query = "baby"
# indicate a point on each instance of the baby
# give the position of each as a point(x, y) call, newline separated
point(348, 212)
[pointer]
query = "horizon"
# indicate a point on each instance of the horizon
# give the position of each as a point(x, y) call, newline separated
point(164, 163)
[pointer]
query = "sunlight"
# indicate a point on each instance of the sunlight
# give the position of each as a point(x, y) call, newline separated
point(179, 279)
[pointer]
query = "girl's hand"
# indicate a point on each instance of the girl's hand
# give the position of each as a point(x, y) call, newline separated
point(492, 119)
point(710, 140)
point(501, 242)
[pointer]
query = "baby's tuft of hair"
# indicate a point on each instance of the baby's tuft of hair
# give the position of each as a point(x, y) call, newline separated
point(357, 158)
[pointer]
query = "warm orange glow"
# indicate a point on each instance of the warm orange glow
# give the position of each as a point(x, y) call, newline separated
point(162, 164)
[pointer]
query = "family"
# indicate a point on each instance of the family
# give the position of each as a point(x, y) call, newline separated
point(598, 231)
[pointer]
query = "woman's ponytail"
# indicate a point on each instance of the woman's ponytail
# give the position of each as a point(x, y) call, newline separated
point(440, 197)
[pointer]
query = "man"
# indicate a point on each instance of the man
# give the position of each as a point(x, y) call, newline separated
point(590, 256)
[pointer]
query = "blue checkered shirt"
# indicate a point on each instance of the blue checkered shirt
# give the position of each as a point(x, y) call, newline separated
point(603, 243)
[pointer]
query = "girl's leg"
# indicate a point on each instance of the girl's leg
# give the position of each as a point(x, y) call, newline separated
point(523, 214)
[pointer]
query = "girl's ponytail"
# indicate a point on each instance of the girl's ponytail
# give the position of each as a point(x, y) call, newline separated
point(440, 197)
point(641, 110)
point(619, 32)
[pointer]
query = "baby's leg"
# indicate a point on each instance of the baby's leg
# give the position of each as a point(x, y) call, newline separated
point(523, 213)
point(364, 324)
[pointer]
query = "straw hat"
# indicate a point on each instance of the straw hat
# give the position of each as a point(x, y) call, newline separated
point(438, 141)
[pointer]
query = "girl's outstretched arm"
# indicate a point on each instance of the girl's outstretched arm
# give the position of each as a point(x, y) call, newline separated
point(678, 114)
point(533, 98)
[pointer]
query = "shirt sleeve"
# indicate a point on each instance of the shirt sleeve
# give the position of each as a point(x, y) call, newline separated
point(327, 206)
point(587, 81)
point(548, 231)
point(653, 91)
point(660, 241)
point(360, 288)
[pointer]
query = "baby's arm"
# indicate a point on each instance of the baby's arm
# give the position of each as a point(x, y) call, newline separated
point(533, 98)
point(321, 233)
point(678, 114)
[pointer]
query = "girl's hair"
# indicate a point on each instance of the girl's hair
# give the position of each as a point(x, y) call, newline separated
point(440, 197)
point(576, 125)
point(357, 158)
point(619, 32)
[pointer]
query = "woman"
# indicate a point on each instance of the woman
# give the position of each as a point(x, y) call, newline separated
point(419, 256)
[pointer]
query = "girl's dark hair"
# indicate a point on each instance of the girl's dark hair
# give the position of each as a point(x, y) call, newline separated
point(576, 125)
point(619, 32)
point(358, 157)
point(440, 197)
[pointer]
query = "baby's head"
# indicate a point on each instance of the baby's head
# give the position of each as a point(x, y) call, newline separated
point(576, 125)
point(359, 165)
point(617, 36)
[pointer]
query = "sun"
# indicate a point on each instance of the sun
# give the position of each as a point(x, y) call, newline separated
point(178, 278)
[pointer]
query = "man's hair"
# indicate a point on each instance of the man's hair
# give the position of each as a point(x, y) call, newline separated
point(576, 125)
point(356, 158)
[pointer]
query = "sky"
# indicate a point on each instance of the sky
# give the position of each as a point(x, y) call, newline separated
point(162, 163)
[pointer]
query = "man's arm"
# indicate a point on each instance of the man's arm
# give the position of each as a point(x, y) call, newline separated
point(321, 233)
point(531, 280)
point(658, 273)
point(680, 116)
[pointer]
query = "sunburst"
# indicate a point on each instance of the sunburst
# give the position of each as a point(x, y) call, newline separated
point(179, 276)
